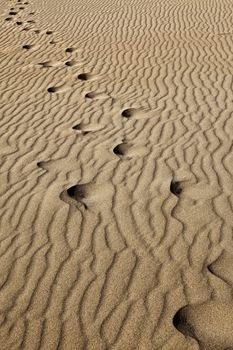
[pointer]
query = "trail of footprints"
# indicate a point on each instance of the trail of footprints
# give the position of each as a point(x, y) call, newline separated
point(14, 15)
point(187, 319)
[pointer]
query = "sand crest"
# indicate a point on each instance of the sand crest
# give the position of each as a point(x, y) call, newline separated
point(116, 176)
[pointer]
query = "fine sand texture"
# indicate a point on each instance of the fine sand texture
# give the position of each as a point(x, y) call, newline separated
point(116, 175)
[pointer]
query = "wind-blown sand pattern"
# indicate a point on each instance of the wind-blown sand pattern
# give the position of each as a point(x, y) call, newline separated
point(116, 175)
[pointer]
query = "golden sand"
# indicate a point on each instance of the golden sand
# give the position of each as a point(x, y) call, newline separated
point(116, 174)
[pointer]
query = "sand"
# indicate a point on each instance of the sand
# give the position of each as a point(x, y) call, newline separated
point(116, 176)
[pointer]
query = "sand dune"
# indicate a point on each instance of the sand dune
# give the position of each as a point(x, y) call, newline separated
point(116, 175)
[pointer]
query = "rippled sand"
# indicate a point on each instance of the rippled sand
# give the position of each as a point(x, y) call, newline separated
point(116, 175)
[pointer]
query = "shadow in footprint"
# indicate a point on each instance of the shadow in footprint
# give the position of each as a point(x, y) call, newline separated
point(12, 13)
point(209, 323)
point(28, 46)
point(120, 149)
point(70, 63)
point(84, 76)
point(133, 113)
point(175, 188)
point(56, 89)
point(128, 113)
point(48, 32)
point(75, 195)
point(70, 49)
point(86, 128)
point(90, 196)
point(96, 96)
point(129, 150)
point(180, 322)
point(8, 19)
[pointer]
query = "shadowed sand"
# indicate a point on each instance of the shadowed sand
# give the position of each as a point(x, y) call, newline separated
point(116, 175)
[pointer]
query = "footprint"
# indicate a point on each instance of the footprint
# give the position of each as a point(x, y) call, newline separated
point(37, 31)
point(70, 49)
point(70, 63)
point(129, 150)
point(75, 195)
point(48, 32)
point(88, 195)
point(175, 188)
point(133, 113)
point(87, 127)
point(56, 89)
point(12, 13)
point(19, 23)
point(28, 46)
point(8, 19)
point(96, 96)
point(210, 323)
point(48, 64)
point(84, 76)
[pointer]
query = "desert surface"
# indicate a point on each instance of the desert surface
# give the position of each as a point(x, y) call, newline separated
point(116, 174)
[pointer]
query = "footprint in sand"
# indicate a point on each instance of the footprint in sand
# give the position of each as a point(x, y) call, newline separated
point(58, 89)
point(88, 195)
point(175, 188)
point(70, 49)
point(49, 64)
point(210, 323)
point(28, 46)
point(129, 150)
point(86, 128)
point(197, 192)
point(87, 76)
point(96, 96)
point(133, 113)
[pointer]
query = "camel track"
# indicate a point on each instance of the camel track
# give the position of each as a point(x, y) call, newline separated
point(116, 175)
